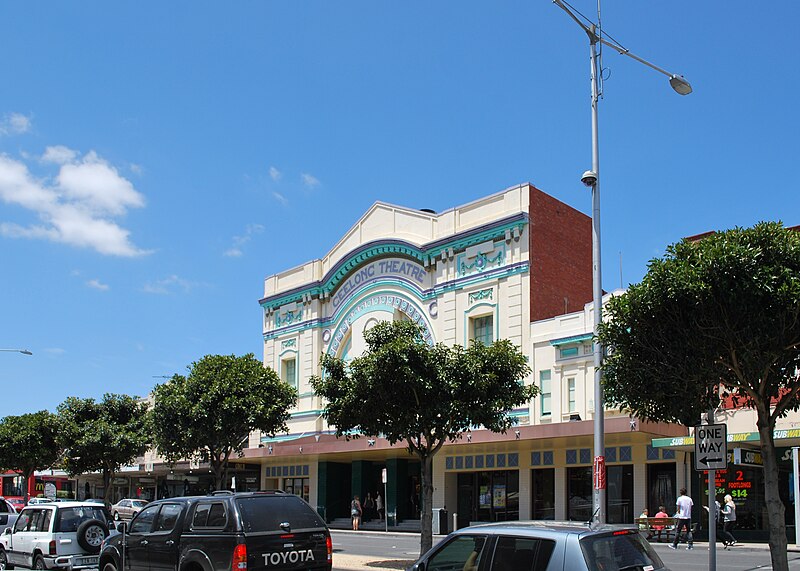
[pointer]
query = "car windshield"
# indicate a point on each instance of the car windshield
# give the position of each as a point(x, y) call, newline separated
point(68, 519)
point(619, 551)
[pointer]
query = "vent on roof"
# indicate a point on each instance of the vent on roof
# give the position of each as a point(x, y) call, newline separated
point(428, 210)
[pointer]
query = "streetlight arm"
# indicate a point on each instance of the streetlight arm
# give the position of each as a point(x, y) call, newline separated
point(678, 83)
point(23, 351)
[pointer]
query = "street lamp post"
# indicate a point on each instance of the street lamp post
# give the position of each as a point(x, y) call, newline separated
point(592, 179)
point(23, 351)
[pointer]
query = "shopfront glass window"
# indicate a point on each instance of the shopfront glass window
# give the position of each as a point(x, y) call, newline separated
point(297, 486)
point(489, 496)
point(580, 494)
point(619, 494)
point(543, 484)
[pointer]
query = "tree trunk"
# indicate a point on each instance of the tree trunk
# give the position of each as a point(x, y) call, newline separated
point(775, 508)
point(106, 486)
point(27, 477)
point(426, 513)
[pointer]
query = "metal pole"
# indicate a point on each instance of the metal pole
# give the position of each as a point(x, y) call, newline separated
point(712, 511)
point(599, 408)
point(385, 506)
point(796, 473)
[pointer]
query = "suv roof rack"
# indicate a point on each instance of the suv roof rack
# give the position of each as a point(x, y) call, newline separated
point(221, 493)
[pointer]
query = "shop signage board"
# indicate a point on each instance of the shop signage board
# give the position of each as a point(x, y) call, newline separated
point(710, 447)
point(747, 457)
point(600, 473)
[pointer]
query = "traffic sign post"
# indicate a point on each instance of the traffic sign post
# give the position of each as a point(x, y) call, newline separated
point(711, 453)
point(710, 447)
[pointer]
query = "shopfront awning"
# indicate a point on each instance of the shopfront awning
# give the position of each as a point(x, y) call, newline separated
point(784, 437)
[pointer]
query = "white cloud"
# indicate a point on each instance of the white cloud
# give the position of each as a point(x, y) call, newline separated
point(238, 241)
point(280, 198)
point(59, 154)
point(168, 285)
point(309, 180)
point(95, 284)
point(15, 124)
point(77, 208)
point(274, 174)
point(55, 350)
point(136, 169)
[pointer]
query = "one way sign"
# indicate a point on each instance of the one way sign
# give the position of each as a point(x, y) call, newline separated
point(711, 447)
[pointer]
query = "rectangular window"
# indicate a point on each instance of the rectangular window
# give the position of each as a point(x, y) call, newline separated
point(569, 352)
point(289, 372)
point(483, 329)
point(571, 404)
point(545, 392)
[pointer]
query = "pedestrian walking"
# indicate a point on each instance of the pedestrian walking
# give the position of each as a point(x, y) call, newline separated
point(379, 505)
point(683, 517)
point(355, 512)
point(729, 521)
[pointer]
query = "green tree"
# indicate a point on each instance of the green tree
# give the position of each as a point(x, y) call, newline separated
point(210, 413)
point(407, 391)
point(28, 443)
point(102, 436)
point(717, 315)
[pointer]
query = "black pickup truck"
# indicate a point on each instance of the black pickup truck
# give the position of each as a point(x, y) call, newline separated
point(226, 531)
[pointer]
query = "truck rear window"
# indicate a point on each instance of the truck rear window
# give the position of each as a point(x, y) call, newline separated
point(267, 513)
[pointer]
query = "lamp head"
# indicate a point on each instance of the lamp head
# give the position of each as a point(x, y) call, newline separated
point(589, 178)
point(680, 85)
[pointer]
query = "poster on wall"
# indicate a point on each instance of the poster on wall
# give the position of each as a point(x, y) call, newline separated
point(499, 496)
point(485, 497)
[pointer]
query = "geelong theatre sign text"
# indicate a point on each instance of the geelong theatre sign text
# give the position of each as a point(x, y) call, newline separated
point(377, 271)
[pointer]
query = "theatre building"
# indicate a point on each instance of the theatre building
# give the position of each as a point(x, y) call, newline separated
point(514, 265)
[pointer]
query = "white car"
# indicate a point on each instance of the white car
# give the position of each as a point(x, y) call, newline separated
point(57, 535)
point(8, 514)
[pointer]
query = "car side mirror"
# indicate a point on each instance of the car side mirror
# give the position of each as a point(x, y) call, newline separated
point(122, 526)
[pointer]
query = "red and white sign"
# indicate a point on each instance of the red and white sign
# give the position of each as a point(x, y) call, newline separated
point(599, 472)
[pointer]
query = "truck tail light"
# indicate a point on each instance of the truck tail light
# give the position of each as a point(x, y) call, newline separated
point(52, 547)
point(329, 547)
point(239, 558)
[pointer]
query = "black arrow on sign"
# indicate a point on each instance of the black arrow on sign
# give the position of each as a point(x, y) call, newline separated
point(706, 460)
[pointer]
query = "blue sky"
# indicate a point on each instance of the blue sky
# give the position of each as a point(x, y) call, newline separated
point(159, 159)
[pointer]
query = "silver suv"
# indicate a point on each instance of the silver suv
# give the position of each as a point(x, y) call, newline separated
point(55, 536)
point(542, 546)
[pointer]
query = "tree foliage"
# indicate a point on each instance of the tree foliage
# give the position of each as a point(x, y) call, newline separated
point(28, 443)
point(719, 316)
point(407, 391)
point(102, 436)
point(210, 413)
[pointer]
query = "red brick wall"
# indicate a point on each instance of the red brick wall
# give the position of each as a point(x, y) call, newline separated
point(560, 256)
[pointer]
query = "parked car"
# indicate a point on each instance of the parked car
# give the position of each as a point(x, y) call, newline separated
point(37, 500)
point(8, 514)
point(127, 508)
point(57, 535)
point(541, 546)
point(18, 503)
point(220, 532)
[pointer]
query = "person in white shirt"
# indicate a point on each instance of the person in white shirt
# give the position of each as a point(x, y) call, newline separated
point(683, 518)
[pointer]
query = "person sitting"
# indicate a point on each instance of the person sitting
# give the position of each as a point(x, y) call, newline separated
point(659, 529)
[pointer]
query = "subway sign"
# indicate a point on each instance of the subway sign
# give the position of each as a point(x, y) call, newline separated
point(746, 457)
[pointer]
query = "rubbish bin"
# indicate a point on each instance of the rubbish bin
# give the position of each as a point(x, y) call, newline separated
point(440, 521)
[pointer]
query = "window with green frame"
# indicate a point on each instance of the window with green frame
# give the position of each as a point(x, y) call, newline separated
point(545, 393)
point(483, 329)
point(289, 371)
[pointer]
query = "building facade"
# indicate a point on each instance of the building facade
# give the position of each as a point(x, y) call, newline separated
point(514, 265)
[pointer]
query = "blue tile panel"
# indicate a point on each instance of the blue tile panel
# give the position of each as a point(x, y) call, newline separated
point(625, 454)
point(611, 454)
point(287, 471)
point(479, 461)
point(547, 458)
point(586, 456)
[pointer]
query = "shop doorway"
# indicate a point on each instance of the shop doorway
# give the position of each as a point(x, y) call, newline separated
point(488, 496)
point(661, 487)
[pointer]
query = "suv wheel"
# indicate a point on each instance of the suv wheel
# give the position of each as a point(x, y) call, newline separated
point(38, 563)
point(91, 534)
point(4, 560)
